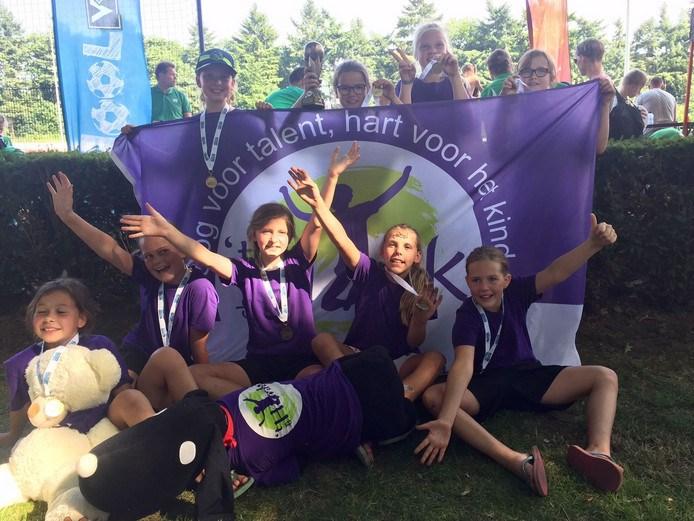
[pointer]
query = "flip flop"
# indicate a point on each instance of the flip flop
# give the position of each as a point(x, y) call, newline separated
point(535, 476)
point(598, 468)
point(242, 488)
point(364, 453)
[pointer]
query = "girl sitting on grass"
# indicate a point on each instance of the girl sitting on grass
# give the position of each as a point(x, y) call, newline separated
point(494, 368)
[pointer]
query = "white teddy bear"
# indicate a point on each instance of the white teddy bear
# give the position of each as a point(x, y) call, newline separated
point(42, 465)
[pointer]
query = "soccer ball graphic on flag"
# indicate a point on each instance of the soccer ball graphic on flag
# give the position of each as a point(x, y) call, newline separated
point(104, 80)
point(109, 117)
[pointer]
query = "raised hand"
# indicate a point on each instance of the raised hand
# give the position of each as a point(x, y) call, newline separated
point(407, 68)
point(428, 301)
point(602, 234)
point(607, 90)
point(450, 65)
point(61, 192)
point(152, 225)
point(387, 88)
point(311, 81)
point(433, 447)
point(339, 164)
point(304, 186)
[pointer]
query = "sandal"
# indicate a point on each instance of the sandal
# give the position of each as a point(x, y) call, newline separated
point(243, 487)
point(598, 468)
point(533, 472)
point(365, 454)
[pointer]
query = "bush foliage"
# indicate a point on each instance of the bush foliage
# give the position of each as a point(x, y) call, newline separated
point(644, 188)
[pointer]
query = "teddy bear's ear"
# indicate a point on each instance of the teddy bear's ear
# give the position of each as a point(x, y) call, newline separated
point(106, 368)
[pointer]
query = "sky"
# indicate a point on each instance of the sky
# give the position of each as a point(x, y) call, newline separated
point(223, 17)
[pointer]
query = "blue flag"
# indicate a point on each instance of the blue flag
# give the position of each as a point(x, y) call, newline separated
point(514, 172)
point(101, 69)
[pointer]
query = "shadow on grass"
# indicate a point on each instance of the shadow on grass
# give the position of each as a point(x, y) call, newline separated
point(653, 439)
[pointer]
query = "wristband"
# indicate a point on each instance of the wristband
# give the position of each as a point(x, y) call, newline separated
point(407, 82)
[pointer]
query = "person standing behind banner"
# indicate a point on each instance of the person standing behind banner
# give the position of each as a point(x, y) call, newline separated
point(500, 67)
point(440, 78)
point(275, 285)
point(353, 89)
point(178, 305)
point(495, 368)
point(286, 97)
point(168, 102)
point(536, 72)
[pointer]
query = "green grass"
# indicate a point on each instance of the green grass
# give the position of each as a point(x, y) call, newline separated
point(653, 438)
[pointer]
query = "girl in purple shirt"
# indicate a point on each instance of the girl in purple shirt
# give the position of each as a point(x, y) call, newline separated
point(275, 285)
point(494, 368)
point(184, 299)
point(395, 299)
point(59, 313)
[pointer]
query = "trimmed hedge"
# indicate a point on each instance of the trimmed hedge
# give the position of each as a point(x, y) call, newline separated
point(644, 188)
point(37, 245)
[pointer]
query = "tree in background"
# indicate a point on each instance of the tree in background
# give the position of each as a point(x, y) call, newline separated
point(660, 48)
point(28, 88)
point(257, 59)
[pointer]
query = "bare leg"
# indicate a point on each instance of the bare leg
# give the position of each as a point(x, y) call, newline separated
point(471, 432)
point(165, 378)
point(601, 386)
point(219, 379)
point(419, 371)
point(128, 408)
point(327, 349)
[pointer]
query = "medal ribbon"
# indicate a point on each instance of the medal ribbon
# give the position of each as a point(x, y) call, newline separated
point(45, 378)
point(164, 327)
point(402, 282)
point(489, 349)
point(212, 156)
point(283, 311)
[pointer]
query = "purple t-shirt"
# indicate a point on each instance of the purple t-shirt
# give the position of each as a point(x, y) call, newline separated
point(278, 425)
point(264, 327)
point(377, 310)
point(18, 389)
point(422, 91)
point(197, 309)
point(514, 346)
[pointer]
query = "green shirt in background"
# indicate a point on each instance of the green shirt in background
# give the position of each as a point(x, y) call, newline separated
point(169, 105)
point(284, 98)
point(7, 146)
point(495, 87)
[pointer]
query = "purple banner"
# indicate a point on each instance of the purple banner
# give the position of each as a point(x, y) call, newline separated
point(515, 172)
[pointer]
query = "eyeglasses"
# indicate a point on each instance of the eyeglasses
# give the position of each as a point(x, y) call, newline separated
point(347, 89)
point(540, 72)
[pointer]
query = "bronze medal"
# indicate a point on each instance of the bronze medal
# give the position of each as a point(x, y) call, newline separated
point(286, 333)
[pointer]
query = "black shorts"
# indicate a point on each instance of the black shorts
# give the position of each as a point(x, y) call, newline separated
point(517, 388)
point(134, 356)
point(386, 411)
point(275, 368)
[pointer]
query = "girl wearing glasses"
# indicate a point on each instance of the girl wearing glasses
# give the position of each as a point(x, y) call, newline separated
point(352, 86)
point(536, 72)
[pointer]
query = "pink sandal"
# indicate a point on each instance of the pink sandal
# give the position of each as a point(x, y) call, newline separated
point(598, 468)
point(535, 476)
